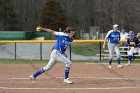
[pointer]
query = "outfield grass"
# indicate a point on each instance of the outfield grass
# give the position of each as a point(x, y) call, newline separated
point(12, 61)
point(18, 61)
point(86, 49)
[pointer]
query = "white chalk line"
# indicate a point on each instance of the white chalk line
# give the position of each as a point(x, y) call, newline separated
point(98, 78)
point(90, 88)
point(94, 63)
point(107, 88)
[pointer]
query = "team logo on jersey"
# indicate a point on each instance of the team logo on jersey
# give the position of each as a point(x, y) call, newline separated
point(64, 39)
point(115, 36)
point(132, 43)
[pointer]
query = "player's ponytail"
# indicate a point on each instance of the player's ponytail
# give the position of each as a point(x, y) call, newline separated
point(68, 29)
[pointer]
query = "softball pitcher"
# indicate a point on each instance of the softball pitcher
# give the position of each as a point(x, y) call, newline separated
point(64, 40)
point(113, 37)
point(133, 43)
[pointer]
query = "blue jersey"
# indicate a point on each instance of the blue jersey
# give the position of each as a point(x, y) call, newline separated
point(63, 41)
point(134, 42)
point(113, 36)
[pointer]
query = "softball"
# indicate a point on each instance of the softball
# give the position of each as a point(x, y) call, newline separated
point(38, 28)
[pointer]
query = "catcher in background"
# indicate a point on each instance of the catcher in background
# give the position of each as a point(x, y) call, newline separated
point(133, 43)
point(113, 37)
point(64, 40)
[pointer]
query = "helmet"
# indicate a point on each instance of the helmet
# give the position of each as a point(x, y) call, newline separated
point(131, 33)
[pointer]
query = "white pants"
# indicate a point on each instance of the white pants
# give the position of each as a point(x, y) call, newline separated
point(132, 50)
point(112, 48)
point(56, 56)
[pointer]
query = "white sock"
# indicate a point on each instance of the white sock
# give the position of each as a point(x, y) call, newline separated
point(129, 62)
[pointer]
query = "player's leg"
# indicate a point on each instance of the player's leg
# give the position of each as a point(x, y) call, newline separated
point(50, 64)
point(138, 51)
point(62, 58)
point(68, 63)
point(117, 50)
point(130, 54)
point(111, 53)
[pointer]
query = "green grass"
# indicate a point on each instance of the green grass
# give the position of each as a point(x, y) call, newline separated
point(12, 61)
point(18, 61)
point(85, 49)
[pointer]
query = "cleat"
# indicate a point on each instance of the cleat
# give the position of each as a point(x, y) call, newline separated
point(109, 66)
point(120, 66)
point(32, 77)
point(128, 64)
point(67, 81)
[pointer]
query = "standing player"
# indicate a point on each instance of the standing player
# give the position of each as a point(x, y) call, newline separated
point(133, 43)
point(113, 37)
point(124, 36)
point(64, 40)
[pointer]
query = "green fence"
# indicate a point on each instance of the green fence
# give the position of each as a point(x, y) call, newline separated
point(23, 35)
point(46, 35)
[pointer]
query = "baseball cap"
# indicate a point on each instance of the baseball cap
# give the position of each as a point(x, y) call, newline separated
point(115, 25)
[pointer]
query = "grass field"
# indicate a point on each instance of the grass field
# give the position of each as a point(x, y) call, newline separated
point(85, 49)
point(18, 61)
point(12, 61)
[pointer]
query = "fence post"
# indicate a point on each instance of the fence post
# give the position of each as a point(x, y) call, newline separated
point(15, 51)
point(40, 51)
point(100, 51)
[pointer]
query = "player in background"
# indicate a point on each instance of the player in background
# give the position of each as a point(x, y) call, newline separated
point(133, 43)
point(138, 36)
point(124, 36)
point(113, 37)
point(64, 40)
